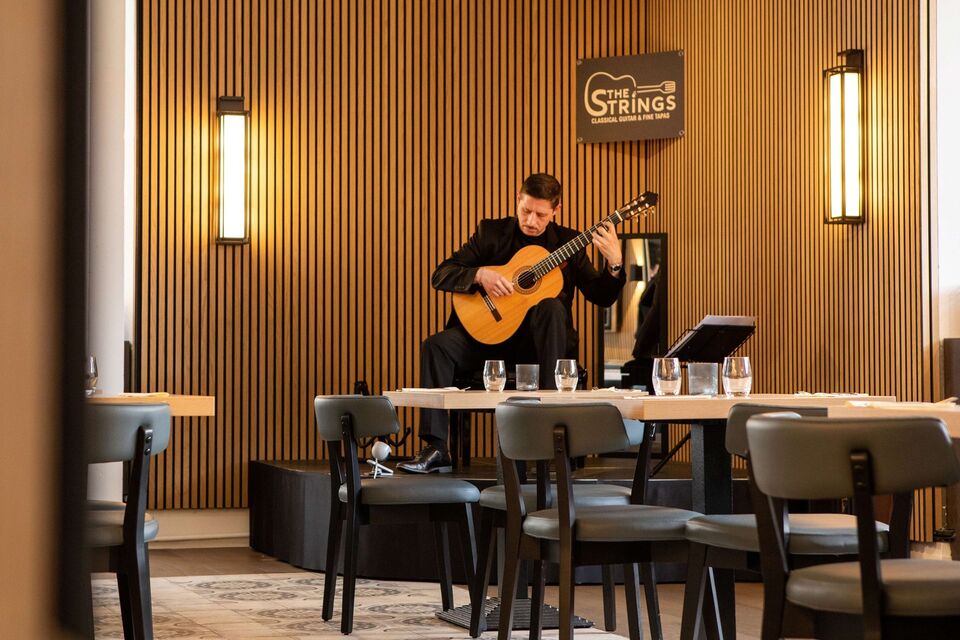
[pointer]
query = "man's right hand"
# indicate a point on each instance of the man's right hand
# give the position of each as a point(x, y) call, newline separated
point(493, 283)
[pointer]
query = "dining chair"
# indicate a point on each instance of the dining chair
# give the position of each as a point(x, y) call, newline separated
point(796, 458)
point(356, 501)
point(731, 541)
point(569, 535)
point(118, 533)
point(493, 519)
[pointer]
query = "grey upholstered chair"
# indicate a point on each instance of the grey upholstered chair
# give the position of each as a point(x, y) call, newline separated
point(118, 533)
point(493, 515)
point(731, 541)
point(341, 420)
point(568, 534)
point(820, 458)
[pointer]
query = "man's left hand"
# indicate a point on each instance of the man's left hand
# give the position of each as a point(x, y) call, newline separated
point(606, 241)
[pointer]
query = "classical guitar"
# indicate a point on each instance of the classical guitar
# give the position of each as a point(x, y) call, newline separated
point(533, 271)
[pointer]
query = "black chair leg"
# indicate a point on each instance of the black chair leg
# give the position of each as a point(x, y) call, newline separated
point(693, 593)
point(137, 568)
point(649, 575)
point(126, 615)
point(711, 611)
point(567, 585)
point(443, 564)
point(333, 556)
point(774, 592)
point(349, 570)
point(478, 590)
point(609, 599)
point(511, 570)
point(631, 590)
point(536, 600)
point(468, 543)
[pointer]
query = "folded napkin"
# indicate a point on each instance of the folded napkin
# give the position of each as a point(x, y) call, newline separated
point(150, 394)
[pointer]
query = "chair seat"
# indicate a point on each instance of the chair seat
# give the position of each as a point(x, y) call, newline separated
point(414, 490)
point(810, 533)
point(105, 527)
point(911, 587)
point(615, 523)
point(584, 495)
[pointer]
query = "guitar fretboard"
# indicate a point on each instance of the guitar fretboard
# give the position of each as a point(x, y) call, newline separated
point(570, 248)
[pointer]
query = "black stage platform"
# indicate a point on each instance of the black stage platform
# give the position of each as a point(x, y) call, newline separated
point(290, 507)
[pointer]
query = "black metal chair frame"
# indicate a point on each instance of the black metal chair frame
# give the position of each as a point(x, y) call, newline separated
point(520, 546)
point(345, 469)
point(786, 619)
point(129, 560)
point(705, 558)
point(492, 519)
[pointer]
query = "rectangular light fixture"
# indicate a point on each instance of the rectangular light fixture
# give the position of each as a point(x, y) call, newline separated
point(233, 188)
point(844, 91)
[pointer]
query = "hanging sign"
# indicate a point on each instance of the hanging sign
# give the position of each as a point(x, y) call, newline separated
point(630, 97)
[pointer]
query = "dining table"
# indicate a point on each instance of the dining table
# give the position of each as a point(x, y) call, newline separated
point(711, 471)
point(181, 406)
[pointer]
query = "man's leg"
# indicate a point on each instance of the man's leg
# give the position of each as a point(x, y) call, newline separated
point(442, 356)
point(547, 324)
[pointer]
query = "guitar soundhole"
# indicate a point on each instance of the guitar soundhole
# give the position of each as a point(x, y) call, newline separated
point(527, 281)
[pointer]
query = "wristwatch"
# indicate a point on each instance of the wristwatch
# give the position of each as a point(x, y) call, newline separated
point(614, 268)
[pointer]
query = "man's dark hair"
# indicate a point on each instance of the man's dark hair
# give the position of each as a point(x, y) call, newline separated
point(542, 186)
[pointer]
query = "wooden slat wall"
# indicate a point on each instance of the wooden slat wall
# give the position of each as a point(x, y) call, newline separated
point(839, 308)
point(383, 131)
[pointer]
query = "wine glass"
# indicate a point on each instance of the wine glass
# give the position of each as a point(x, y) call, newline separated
point(90, 375)
point(566, 375)
point(494, 375)
point(737, 377)
point(666, 376)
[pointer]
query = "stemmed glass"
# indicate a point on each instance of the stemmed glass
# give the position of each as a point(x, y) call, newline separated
point(494, 375)
point(666, 376)
point(90, 375)
point(737, 377)
point(566, 375)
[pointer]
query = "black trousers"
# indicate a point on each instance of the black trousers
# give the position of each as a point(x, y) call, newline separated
point(545, 336)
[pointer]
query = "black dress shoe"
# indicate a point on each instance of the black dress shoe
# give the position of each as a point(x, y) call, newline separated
point(430, 460)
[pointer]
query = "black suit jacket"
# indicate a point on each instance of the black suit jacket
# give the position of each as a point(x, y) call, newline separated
point(497, 240)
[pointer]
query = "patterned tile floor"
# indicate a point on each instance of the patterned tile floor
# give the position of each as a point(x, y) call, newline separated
point(287, 605)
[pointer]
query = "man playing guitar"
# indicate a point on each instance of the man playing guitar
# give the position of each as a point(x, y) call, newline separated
point(547, 331)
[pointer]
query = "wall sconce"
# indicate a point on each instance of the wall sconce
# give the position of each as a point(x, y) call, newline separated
point(233, 223)
point(844, 92)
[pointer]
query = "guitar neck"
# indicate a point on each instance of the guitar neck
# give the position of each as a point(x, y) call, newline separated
point(565, 252)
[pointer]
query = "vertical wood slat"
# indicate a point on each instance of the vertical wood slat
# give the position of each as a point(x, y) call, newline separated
point(839, 308)
point(381, 132)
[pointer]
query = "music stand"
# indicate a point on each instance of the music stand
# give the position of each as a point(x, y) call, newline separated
point(713, 339)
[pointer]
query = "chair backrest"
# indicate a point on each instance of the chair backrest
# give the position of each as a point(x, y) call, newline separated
point(810, 458)
point(526, 430)
point(736, 436)
point(112, 430)
point(372, 416)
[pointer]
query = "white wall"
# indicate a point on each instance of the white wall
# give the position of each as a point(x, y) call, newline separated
point(947, 148)
point(112, 203)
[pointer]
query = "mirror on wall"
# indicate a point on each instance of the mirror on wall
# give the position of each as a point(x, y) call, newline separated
point(634, 330)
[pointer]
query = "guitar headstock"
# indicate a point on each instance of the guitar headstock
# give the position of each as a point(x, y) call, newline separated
point(638, 205)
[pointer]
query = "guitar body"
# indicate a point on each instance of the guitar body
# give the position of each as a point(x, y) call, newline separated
point(495, 325)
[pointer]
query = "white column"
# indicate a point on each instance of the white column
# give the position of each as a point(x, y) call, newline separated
point(947, 140)
point(110, 205)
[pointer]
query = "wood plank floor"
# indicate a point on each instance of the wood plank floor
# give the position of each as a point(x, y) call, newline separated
point(589, 604)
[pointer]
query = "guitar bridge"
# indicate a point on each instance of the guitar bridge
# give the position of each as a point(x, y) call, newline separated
point(492, 307)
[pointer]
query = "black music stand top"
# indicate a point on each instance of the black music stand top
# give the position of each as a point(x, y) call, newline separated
point(713, 339)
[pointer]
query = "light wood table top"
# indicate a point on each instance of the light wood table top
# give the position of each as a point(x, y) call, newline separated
point(950, 414)
point(180, 406)
point(632, 404)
